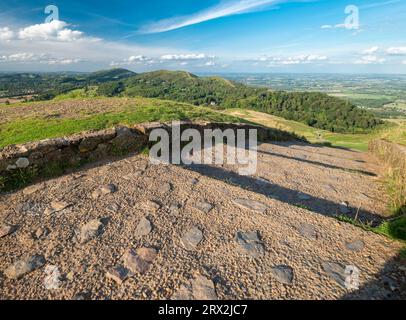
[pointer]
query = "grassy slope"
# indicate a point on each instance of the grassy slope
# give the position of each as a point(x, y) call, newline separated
point(138, 110)
point(396, 132)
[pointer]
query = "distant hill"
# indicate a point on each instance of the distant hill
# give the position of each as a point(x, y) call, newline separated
point(314, 109)
point(109, 75)
point(48, 85)
point(185, 87)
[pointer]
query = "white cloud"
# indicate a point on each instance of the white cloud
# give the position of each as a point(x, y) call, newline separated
point(226, 8)
point(139, 59)
point(62, 61)
point(404, 62)
point(190, 56)
point(337, 26)
point(55, 30)
point(396, 51)
point(370, 50)
point(210, 63)
point(6, 33)
point(326, 26)
point(29, 57)
point(301, 59)
point(370, 59)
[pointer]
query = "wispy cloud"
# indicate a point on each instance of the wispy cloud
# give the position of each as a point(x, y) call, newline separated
point(226, 8)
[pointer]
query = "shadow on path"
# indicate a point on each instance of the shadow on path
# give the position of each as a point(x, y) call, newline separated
point(325, 165)
point(277, 192)
point(390, 283)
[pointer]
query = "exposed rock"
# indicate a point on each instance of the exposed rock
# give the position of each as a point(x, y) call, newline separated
point(199, 288)
point(335, 271)
point(41, 233)
point(139, 260)
point(249, 244)
point(166, 187)
point(308, 231)
point(144, 228)
point(251, 205)
point(118, 274)
point(345, 208)
point(390, 283)
point(174, 207)
point(192, 238)
point(33, 189)
point(204, 206)
point(85, 295)
point(203, 288)
point(107, 189)
point(24, 266)
point(104, 190)
point(113, 207)
point(283, 274)
point(56, 206)
point(150, 206)
point(91, 230)
point(304, 197)
point(183, 293)
point(7, 229)
point(22, 163)
point(127, 140)
point(356, 245)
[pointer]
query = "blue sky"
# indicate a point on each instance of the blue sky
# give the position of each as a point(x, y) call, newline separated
point(215, 36)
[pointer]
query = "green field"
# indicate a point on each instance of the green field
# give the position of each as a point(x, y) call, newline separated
point(22, 128)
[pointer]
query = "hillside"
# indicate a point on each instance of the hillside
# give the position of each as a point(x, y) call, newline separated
point(317, 110)
point(314, 109)
point(46, 86)
point(25, 122)
point(394, 131)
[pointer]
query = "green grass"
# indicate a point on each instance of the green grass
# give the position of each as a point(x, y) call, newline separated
point(394, 131)
point(33, 129)
point(78, 94)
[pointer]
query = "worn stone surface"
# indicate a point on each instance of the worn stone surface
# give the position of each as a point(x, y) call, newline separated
point(203, 288)
point(304, 197)
point(150, 206)
point(199, 288)
point(144, 228)
point(249, 244)
point(34, 188)
point(7, 229)
point(91, 230)
point(118, 274)
point(344, 208)
point(140, 259)
point(22, 163)
point(335, 271)
point(192, 238)
point(251, 205)
point(56, 206)
point(204, 206)
point(217, 257)
point(26, 265)
point(283, 274)
point(356, 245)
point(308, 231)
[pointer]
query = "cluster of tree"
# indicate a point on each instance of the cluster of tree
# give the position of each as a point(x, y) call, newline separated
point(45, 86)
point(314, 109)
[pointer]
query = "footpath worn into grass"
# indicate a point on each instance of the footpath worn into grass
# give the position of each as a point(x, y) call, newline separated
point(132, 230)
